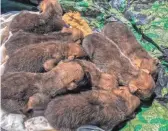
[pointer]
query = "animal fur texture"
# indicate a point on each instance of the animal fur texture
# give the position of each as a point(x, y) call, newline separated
point(21, 38)
point(48, 20)
point(126, 41)
point(99, 80)
point(31, 58)
point(23, 91)
point(142, 86)
point(101, 108)
point(108, 57)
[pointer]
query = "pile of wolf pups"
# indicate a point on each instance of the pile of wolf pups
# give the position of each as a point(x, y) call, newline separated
point(52, 70)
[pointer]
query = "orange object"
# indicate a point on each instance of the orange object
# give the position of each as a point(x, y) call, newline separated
point(75, 20)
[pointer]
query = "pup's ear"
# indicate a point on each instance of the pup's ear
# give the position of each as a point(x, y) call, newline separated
point(50, 64)
point(132, 88)
point(42, 6)
point(75, 50)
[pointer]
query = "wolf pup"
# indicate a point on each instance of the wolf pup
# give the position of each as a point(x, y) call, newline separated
point(97, 107)
point(24, 91)
point(31, 58)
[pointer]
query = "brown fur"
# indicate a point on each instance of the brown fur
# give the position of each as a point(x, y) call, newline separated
point(77, 34)
point(99, 80)
point(47, 21)
point(124, 38)
point(31, 58)
point(108, 58)
point(142, 86)
point(21, 38)
point(45, 4)
point(25, 91)
point(102, 108)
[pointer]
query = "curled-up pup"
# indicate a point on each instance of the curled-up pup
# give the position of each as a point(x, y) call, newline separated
point(106, 55)
point(109, 59)
point(48, 20)
point(105, 109)
point(31, 58)
point(21, 38)
point(126, 41)
point(24, 91)
point(98, 79)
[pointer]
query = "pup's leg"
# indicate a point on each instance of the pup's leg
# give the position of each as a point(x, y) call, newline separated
point(37, 99)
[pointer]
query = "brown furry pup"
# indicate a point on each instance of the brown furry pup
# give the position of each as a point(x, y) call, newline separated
point(101, 108)
point(99, 80)
point(21, 38)
point(24, 90)
point(109, 58)
point(126, 41)
point(46, 21)
point(31, 58)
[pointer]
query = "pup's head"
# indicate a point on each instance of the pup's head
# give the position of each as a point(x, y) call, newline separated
point(131, 101)
point(75, 51)
point(76, 33)
point(46, 5)
point(107, 81)
point(69, 71)
point(142, 86)
point(148, 65)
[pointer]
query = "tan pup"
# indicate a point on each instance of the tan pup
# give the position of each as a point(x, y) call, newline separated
point(101, 108)
point(21, 39)
point(31, 58)
point(108, 57)
point(48, 20)
point(24, 91)
point(99, 80)
point(126, 41)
